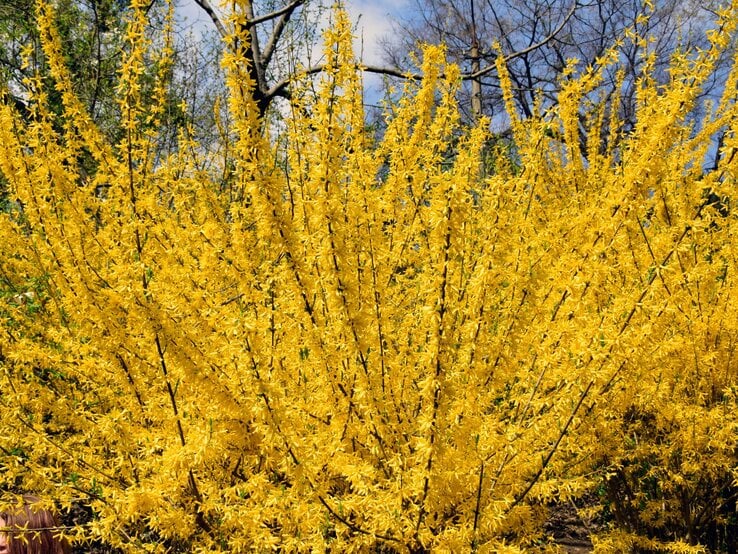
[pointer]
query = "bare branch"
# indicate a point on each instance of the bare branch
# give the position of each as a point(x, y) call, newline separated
point(277, 31)
point(280, 87)
point(289, 8)
point(208, 9)
point(253, 54)
point(530, 48)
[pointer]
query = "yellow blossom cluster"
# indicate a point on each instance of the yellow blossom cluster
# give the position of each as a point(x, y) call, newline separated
point(359, 342)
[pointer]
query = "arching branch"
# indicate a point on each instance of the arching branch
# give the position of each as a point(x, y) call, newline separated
point(287, 10)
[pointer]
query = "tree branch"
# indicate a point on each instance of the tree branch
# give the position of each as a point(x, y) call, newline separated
point(277, 31)
point(530, 48)
point(261, 60)
point(255, 66)
point(208, 9)
point(281, 86)
point(289, 8)
point(354, 527)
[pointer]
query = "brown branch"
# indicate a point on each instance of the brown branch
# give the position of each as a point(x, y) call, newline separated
point(199, 516)
point(289, 8)
point(277, 32)
point(255, 67)
point(208, 9)
point(477, 507)
point(653, 256)
point(281, 86)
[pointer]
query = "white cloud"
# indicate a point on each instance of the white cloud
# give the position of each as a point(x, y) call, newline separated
point(373, 22)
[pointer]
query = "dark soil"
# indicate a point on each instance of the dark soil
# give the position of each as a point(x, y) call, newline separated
point(567, 528)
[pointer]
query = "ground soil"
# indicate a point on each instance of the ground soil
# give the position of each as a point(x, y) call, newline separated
point(568, 530)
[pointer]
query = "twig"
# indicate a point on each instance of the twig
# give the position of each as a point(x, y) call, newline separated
point(477, 507)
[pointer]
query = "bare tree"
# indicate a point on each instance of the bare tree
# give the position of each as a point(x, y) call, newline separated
point(267, 25)
point(539, 37)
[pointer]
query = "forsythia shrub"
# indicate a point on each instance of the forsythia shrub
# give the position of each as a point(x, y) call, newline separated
point(363, 344)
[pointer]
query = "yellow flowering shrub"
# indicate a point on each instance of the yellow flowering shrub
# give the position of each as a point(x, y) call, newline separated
point(353, 343)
